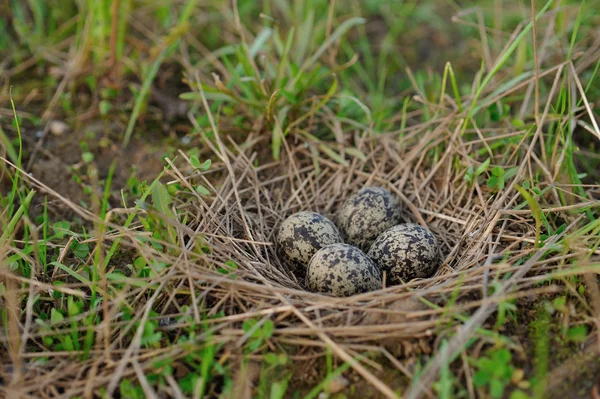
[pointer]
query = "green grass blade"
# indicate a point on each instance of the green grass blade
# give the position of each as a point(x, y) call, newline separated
point(260, 41)
point(501, 62)
point(341, 30)
point(7, 145)
point(10, 227)
point(177, 32)
point(575, 30)
point(142, 95)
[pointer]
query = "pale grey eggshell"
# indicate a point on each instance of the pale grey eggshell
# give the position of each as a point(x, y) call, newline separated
point(366, 214)
point(342, 270)
point(301, 235)
point(405, 252)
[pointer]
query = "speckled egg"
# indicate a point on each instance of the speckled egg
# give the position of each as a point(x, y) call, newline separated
point(367, 214)
point(342, 270)
point(301, 235)
point(405, 252)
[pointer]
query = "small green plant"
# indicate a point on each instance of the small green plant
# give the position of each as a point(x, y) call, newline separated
point(201, 356)
point(130, 390)
point(471, 175)
point(494, 372)
point(274, 376)
point(577, 333)
point(499, 177)
point(446, 386)
point(229, 269)
point(202, 167)
point(258, 334)
point(506, 308)
point(81, 335)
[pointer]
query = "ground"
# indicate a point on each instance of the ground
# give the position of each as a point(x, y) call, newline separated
point(150, 150)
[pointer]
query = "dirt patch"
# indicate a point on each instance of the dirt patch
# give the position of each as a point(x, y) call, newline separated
point(57, 161)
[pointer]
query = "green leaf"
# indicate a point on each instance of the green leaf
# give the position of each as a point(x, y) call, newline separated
point(492, 182)
point(131, 391)
point(518, 394)
point(254, 344)
point(56, 317)
point(498, 171)
point(81, 250)
point(192, 96)
point(360, 104)
point(61, 229)
point(283, 59)
point(268, 329)
point(10, 149)
point(259, 41)
point(469, 175)
point(482, 168)
point(195, 162)
point(560, 303)
point(518, 123)
point(248, 324)
point(139, 263)
point(200, 189)
point(161, 199)
point(560, 229)
point(72, 308)
point(278, 390)
point(104, 107)
point(577, 333)
point(511, 172)
point(68, 343)
point(502, 355)
point(481, 378)
point(495, 112)
point(356, 153)
point(206, 165)
point(87, 157)
point(497, 388)
point(71, 272)
point(333, 155)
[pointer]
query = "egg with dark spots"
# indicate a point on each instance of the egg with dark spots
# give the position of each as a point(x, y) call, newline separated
point(367, 214)
point(405, 252)
point(301, 235)
point(342, 270)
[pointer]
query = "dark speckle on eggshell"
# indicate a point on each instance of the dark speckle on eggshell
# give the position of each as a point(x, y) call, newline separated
point(301, 235)
point(342, 270)
point(367, 214)
point(405, 252)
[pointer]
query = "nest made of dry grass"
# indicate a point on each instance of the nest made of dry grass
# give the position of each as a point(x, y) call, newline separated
point(479, 231)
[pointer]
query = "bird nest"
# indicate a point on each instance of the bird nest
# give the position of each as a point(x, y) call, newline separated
point(243, 277)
